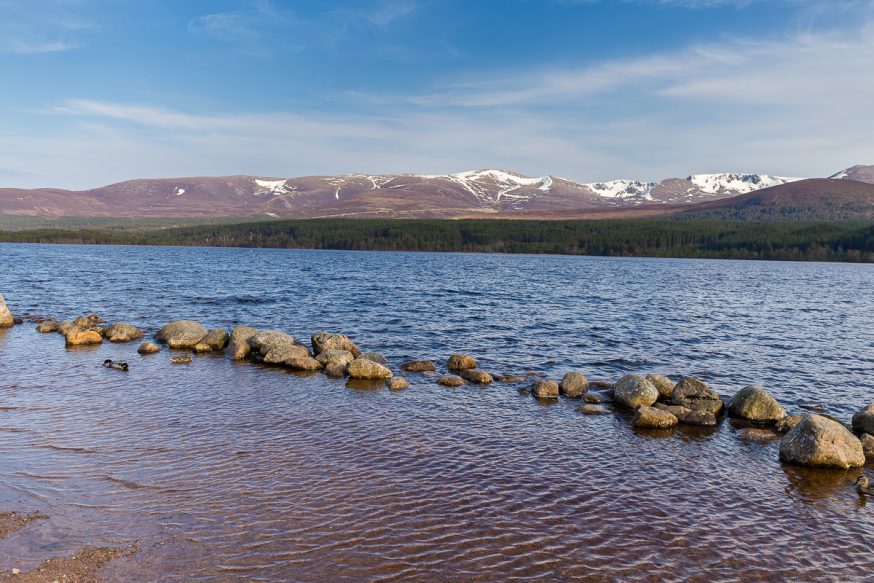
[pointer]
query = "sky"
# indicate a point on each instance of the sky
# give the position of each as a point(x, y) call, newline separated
point(100, 91)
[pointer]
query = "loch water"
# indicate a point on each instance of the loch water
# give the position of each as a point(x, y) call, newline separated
point(227, 471)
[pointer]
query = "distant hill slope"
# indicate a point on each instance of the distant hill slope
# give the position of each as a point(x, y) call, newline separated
point(817, 199)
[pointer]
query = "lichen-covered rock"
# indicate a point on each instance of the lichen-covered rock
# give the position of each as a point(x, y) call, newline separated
point(367, 369)
point(264, 342)
point(397, 383)
point(694, 394)
point(78, 337)
point(6, 318)
point(123, 332)
point(787, 423)
point(573, 385)
point(544, 389)
point(85, 322)
point(476, 375)
point(652, 418)
point(343, 357)
point(418, 366)
point(754, 404)
point(375, 357)
point(238, 345)
point(66, 326)
point(820, 442)
point(335, 370)
point(863, 421)
point(216, 339)
point(327, 341)
point(281, 353)
point(47, 326)
point(663, 385)
point(450, 380)
point(461, 362)
point(635, 391)
point(867, 445)
point(148, 348)
point(306, 363)
point(181, 334)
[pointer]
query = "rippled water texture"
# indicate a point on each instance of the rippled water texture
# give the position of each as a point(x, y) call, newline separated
point(224, 471)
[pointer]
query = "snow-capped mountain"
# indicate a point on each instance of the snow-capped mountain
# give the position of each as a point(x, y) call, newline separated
point(487, 192)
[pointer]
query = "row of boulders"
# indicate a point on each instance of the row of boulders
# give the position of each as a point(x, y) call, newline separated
point(658, 402)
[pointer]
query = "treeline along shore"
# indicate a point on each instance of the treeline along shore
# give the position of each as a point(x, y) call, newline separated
point(851, 241)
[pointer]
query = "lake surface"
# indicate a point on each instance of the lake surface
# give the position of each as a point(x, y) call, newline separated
point(223, 471)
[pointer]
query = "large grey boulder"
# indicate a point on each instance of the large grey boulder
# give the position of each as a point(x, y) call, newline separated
point(123, 332)
point(694, 394)
point(362, 368)
point(238, 345)
point(217, 339)
point(573, 385)
point(755, 404)
point(264, 342)
point(863, 421)
point(652, 418)
point(635, 391)
point(327, 341)
point(284, 352)
point(6, 318)
point(181, 334)
point(663, 385)
point(820, 442)
point(688, 416)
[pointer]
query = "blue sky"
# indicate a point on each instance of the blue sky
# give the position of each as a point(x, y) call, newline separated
point(98, 91)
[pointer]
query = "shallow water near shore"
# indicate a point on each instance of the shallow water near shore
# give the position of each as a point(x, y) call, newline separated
point(223, 471)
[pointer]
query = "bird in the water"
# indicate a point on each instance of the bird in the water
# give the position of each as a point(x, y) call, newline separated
point(108, 363)
point(864, 487)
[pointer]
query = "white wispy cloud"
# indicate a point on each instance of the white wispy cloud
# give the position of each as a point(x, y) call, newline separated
point(51, 26)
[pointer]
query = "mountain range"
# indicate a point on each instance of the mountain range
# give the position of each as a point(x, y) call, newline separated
point(480, 194)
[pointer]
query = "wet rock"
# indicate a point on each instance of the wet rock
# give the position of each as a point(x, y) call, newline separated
point(757, 435)
point(238, 345)
point(306, 363)
point(217, 339)
point(78, 337)
point(476, 375)
point(148, 348)
point(450, 380)
point(374, 357)
point(754, 404)
point(397, 383)
point(367, 369)
point(663, 385)
point(544, 389)
point(652, 418)
point(264, 342)
point(867, 445)
point(327, 341)
point(509, 378)
point(573, 385)
point(123, 332)
point(593, 398)
point(635, 391)
point(66, 326)
point(47, 326)
point(593, 410)
point(688, 416)
point(418, 366)
point(343, 357)
point(787, 423)
point(863, 421)
point(335, 370)
point(461, 362)
point(820, 442)
point(180, 359)
point(202, 348)
point(281, 353)
point(600, 385)
point(181, 334)
point(694, 394)
point(84, 322)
